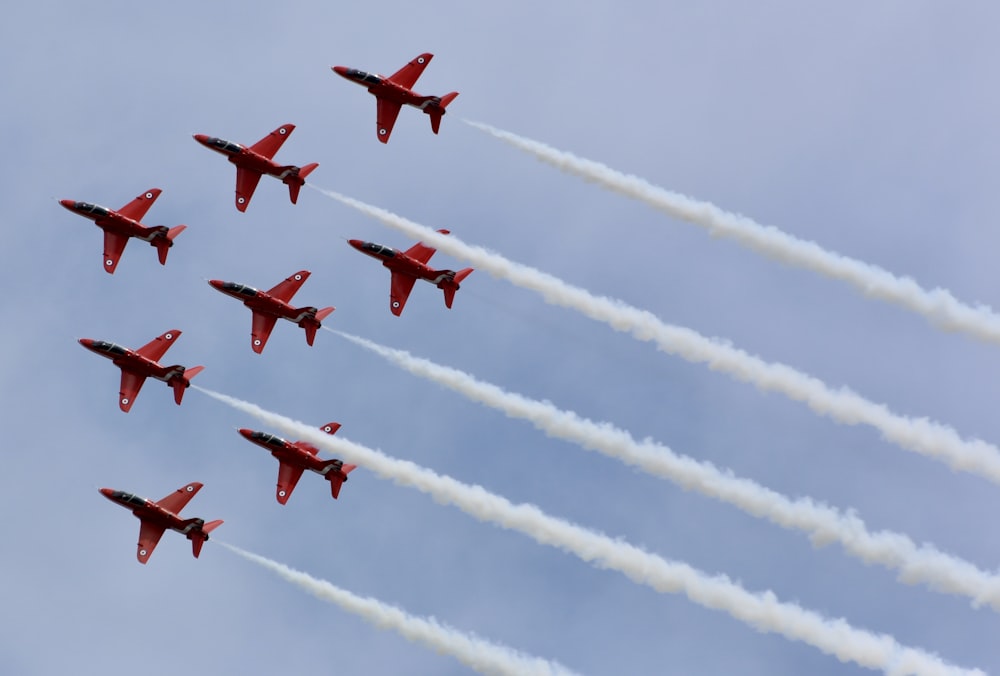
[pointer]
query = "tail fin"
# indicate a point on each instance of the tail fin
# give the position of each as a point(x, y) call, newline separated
point(437, 111)
point(163, 244)
point(179, 384)
point(336, 482)
point(450, 287)
point(198, 538)
point(296, 180)
point(308, 169)
point(312, 324)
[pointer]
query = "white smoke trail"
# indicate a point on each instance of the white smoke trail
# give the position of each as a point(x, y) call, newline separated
point(920, 435)
point(938, 306)
point(474, 652)
point(824, 524)
point(763, 611)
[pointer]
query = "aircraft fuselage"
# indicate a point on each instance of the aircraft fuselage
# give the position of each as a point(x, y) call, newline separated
point(131, 361)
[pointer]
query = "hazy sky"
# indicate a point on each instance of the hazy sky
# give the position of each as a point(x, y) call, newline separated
point(870, 129)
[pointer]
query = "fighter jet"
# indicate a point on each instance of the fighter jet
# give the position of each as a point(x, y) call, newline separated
point(157, 517)
point(409, 266)
point(137, 365)
point(119, 226)
point(269, 306)
point(296, 457)
point(397, 89)
point(255, 161)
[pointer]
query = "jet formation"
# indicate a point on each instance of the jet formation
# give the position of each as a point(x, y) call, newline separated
point(267, 307)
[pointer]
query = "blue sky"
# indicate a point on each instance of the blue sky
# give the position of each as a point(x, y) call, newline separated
point(870, 129)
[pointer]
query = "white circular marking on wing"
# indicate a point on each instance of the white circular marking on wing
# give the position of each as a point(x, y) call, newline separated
point(282, 131)
point(256, 341)
point(149, 195)
point(327, 428)
point(168, 336)
point(142, 552)
point(420, 60)
point(189, 489)
point(241, 200)
point(281, 493)
point(395, 303)
point(125, 400)
point(381, 131)
point(109, 262)
point(298, 277)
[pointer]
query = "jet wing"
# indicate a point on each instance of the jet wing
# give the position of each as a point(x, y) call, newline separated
point(175, 501)
point(114, 245)
point(260, 331)
point(131, 384)
point(270, 144)
point(288, 288)
point(408, 74)
point(246, 183)
point(158, 347)
point(149, 537)
point(387, 114)
point(308, 448)
point(138, 207)
point(400, 290)
point(288, 476)
point(420, 252)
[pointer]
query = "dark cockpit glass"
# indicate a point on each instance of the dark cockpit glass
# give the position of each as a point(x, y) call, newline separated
point(242, 289)
point(268, 439)
point(368, 78)
point(105, 346)
point(95, 209)
point(225, 146)
point(128, 498)
point(379, 250)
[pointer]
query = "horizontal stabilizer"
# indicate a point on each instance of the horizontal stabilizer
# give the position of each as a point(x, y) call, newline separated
point(308, 169)
point(451, 286)
point(199, 537)
point(180, 384)
point(324, 313)
point(437, 111)
point(336, 481)
point(296, 180)
point(163, 244)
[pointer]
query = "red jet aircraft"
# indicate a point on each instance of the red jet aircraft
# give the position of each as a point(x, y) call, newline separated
point(143, 363)
point(156, 517)
point(409, 266)
point(393, 91)
point(255, 161)
point(294, 458)
point(119, 225)
point(269, 306)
